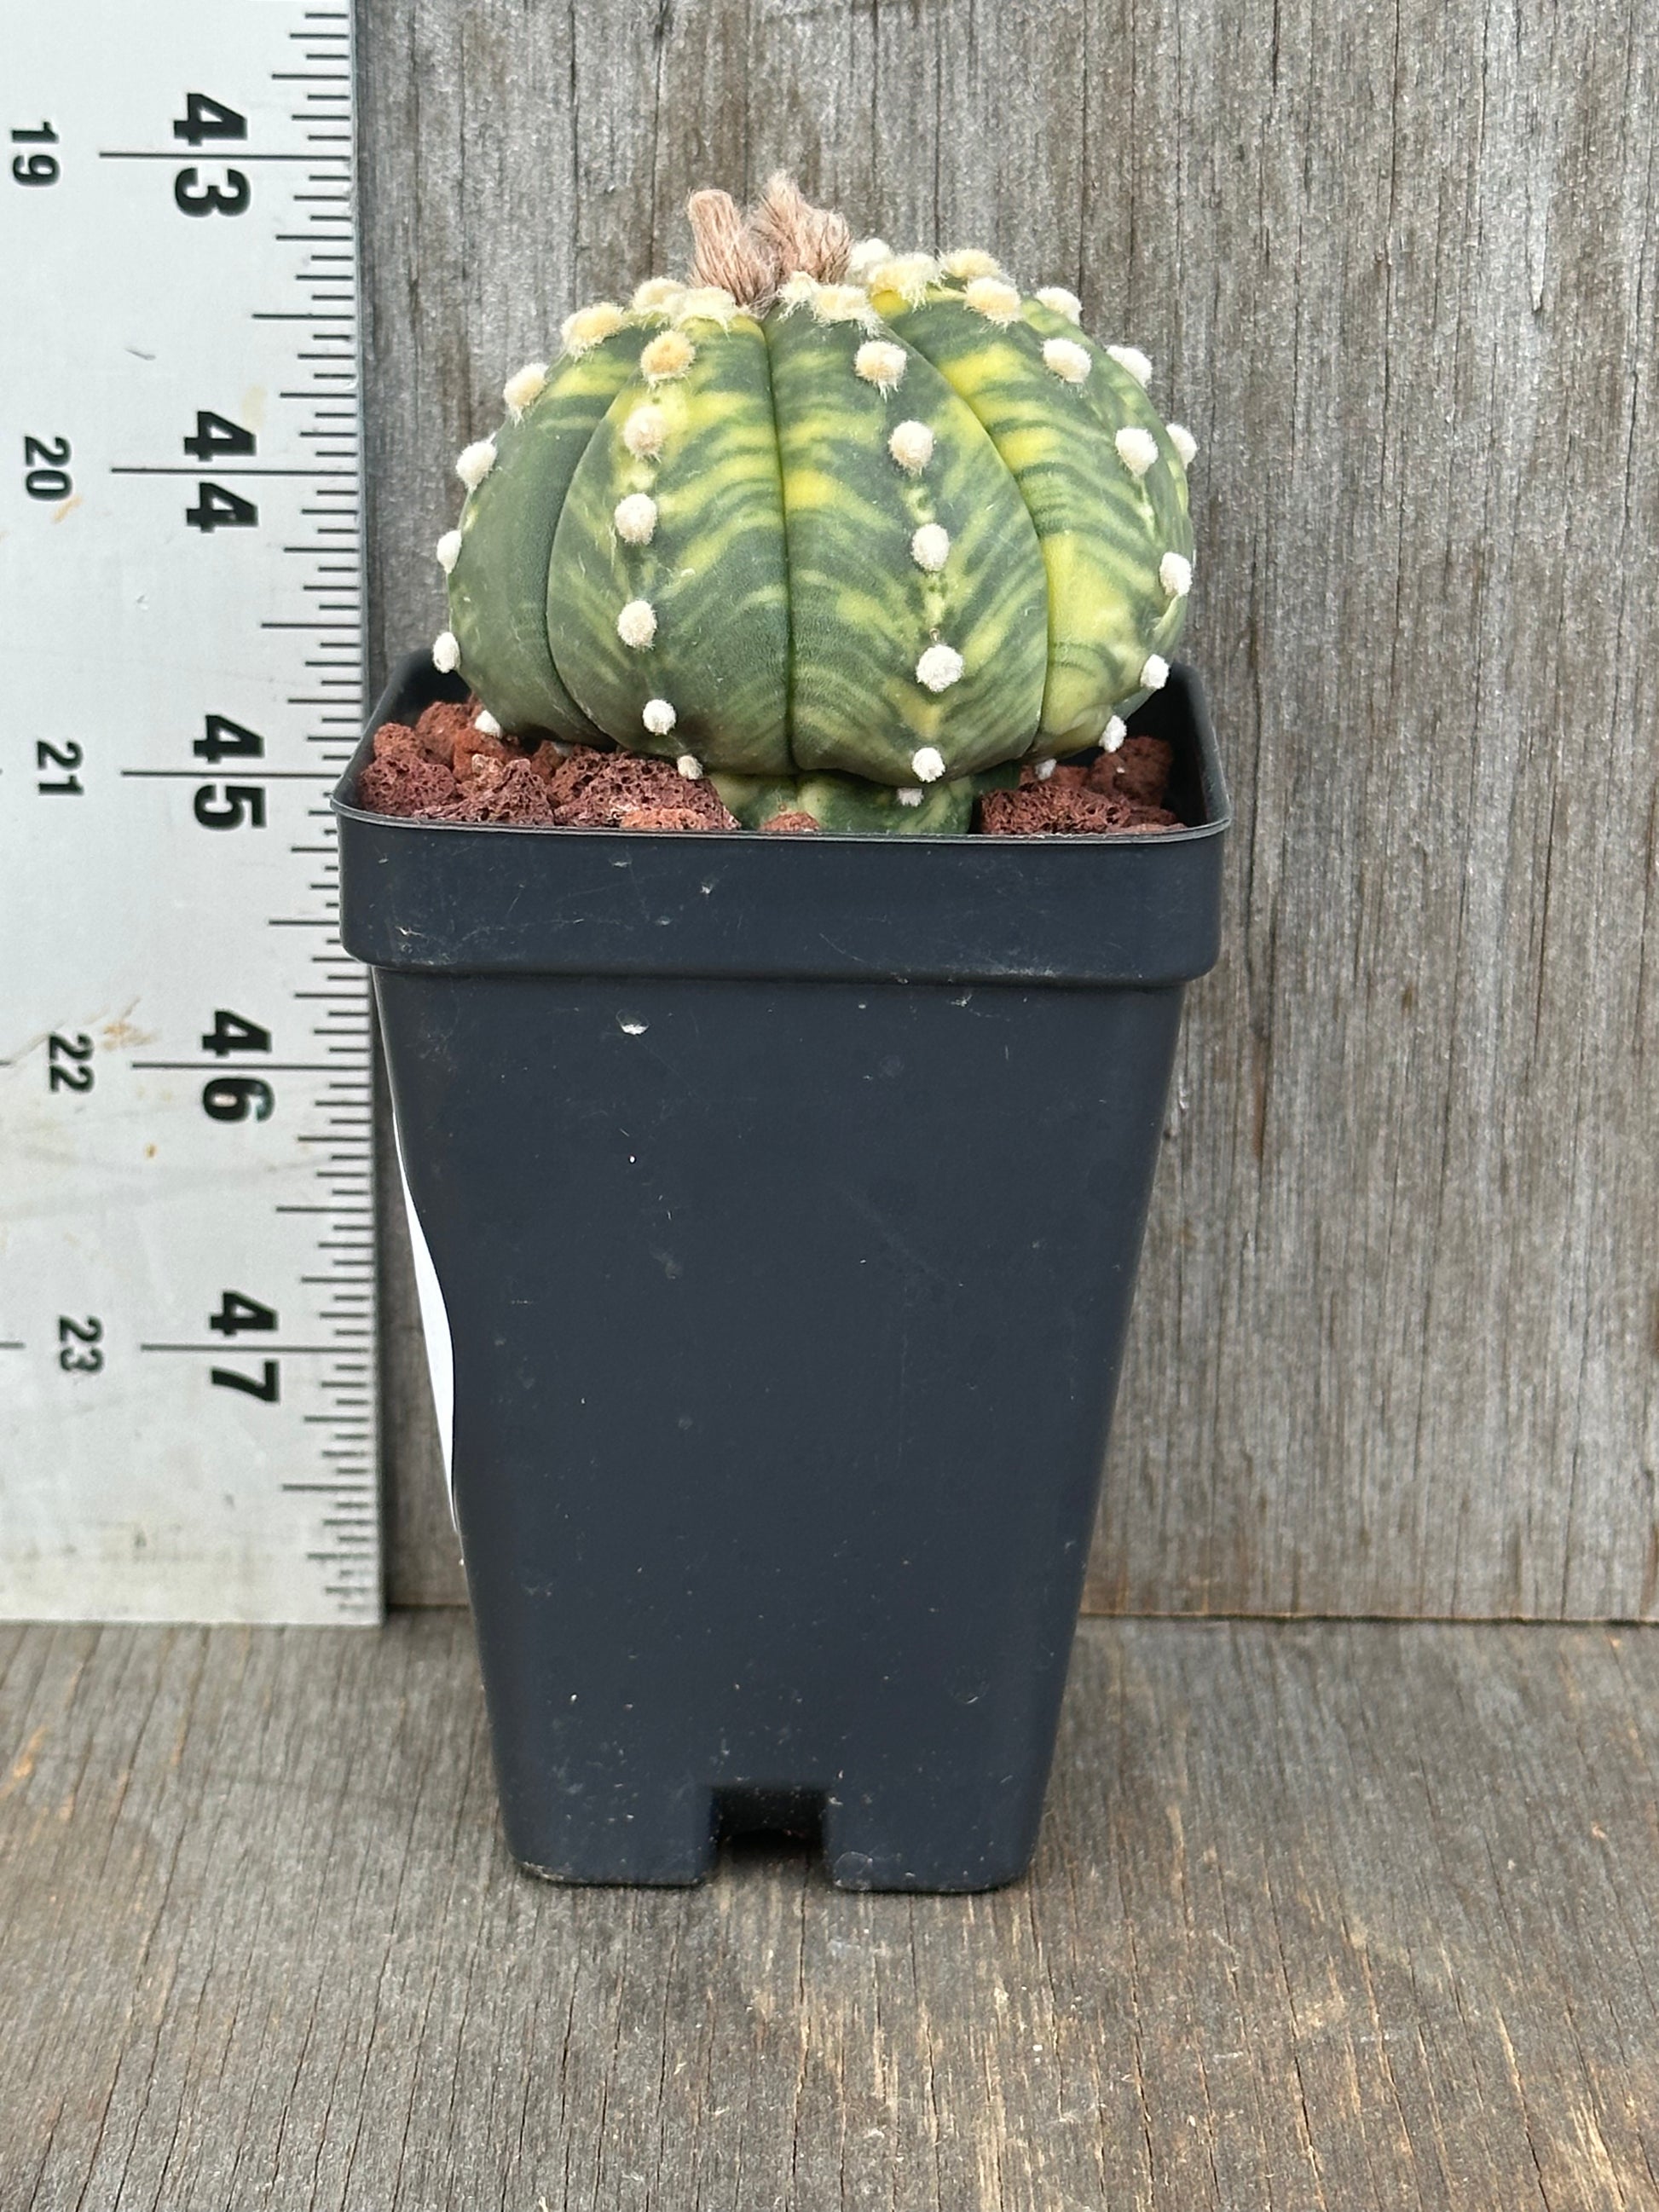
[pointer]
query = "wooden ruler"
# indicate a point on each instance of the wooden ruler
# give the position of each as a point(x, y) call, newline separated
point(187, 1325)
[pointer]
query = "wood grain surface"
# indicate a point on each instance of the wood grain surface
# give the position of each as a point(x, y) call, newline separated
point(1324, 1917)
point(1398, 1326)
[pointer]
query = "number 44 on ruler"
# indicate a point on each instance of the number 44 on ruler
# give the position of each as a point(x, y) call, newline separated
point(186, 1229)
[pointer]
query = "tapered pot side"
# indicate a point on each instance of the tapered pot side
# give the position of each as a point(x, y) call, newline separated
point(785, 1195)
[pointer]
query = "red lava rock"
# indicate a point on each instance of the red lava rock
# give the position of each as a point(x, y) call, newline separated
point(1112, 793)
point(472, 745)
point(439, 727)
point(596, 792)
point(507, 790)
point(446, 769)
point(662, 817)
point(1138, 770)
point(403, 778)
point(1053, 809)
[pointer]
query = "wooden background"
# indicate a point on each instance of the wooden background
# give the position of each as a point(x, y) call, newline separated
point(1398, 1330)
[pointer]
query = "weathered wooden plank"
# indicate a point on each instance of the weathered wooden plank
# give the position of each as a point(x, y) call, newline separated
point(1322, 1916)
point(1396, 1350)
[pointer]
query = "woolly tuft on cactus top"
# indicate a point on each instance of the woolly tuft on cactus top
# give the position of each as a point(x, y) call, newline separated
point(836, 525)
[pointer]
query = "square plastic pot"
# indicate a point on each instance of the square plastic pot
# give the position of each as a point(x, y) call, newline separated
point(785, 1195)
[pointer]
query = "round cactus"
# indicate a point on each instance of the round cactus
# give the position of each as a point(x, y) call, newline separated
point(847, 531)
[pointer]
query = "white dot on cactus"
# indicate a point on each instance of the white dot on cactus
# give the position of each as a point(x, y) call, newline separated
point(909, 275)
point(1043, 771)
point(656, 295)
point(1060, 302)
point(644, 431)
point(669, 355)
point(635, 518)
point(995, 298)
point(659, 717)
point(448, 550)
point(518, 391)
point(1155, 672)
point(1133, 362)
point(1175, 573)
point(485, 724)
point(880, 362)
point(842, 303)
point(908, 794)
point(637, 625)
point(445, 652)
point(1184, 443)
point(869, 253)
point(939, 669)
point(590, 327)
point(473, 463)
point(1066, 359)
point(1136, 448)
point(927, 764)
point(712, 302)
point(689, 766)
point(797, 290)
point(968, 261)
point(930, 548)
point(1113, 734)
point(911, 446)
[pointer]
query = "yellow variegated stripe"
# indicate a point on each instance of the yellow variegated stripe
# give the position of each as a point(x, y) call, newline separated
point(1103, 532)
point(863, 611)
point(1117, 399)
point(498, 586)
point(710, 571)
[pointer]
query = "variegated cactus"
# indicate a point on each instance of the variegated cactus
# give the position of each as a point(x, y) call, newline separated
point(851, 532)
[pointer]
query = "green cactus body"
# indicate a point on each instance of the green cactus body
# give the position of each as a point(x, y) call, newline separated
point(857, 804)
point(1103, 527)
point(846, 553)
point(864, 609)
point(706, 577)
point(498, 585)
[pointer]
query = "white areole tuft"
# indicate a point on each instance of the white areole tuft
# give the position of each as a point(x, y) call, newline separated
point(590, 327)
point(1184, 441)
point(994, 298)
point(657, 295)
point(659, 717)
point(473, 463)
point(1156, 673)
point(1066, 359)
point(485, 723)
point(1060, 302)
point(927, 763)
point(1175, 573)
point(448, 550)
point(446, 652)
point(644, 431)
point(930, 548)
point(912, 447)
point(1113, 734)
point(969, 261)
point(1136, 448)
point(880, 362)
point(908, 794)
point(689, 766)
point(637, 625)
point(1043, 771)
point(1133, 362)
point(938, 669)
point(518, 391)
point(635, 518)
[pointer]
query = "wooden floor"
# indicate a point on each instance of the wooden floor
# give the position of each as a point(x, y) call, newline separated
point(1352, 1916)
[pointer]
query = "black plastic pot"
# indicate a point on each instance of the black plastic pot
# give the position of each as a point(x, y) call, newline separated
point(786, 1194)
